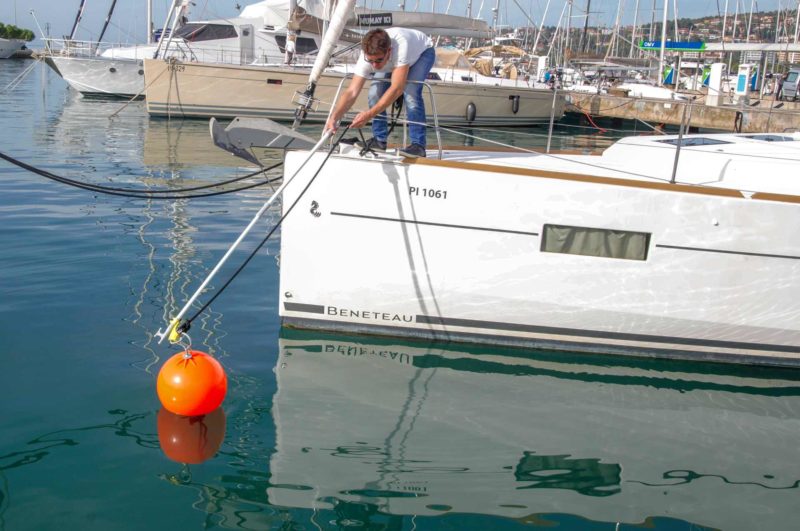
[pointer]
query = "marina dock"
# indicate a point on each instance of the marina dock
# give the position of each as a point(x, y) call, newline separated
point(757, 116)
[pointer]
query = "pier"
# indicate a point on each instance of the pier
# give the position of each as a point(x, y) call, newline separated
point(758, 116)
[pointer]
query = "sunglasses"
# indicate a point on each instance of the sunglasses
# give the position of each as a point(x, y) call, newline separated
point(377, 61)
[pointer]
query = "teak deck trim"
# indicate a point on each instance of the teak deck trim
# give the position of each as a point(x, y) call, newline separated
point(613, 181)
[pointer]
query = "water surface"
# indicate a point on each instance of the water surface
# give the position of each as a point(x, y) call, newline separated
point(318, 431)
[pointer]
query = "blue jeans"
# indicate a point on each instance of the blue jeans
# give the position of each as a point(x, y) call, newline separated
point(415, 106)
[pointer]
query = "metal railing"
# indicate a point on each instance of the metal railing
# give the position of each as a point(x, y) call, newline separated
point(405, 122)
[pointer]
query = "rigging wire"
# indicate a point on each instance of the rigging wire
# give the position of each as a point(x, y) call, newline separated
point(164, 193)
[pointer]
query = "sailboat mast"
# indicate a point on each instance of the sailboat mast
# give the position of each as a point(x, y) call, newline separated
point(652, 21)
point(663, 44)
point(725, 23)
point(568, 30)
point(585, 36)
point(635, 28)
point(149, 21)
point(108, 19)
point(77, 20)
point(750, 20)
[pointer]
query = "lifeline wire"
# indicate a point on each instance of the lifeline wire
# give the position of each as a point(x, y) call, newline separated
point(184, 326)
point(145, 194)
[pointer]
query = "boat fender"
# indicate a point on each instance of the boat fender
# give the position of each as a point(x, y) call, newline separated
point(472, 111)
point(514, 103)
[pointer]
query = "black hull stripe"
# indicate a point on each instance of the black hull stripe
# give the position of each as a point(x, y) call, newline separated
point(575, 332)
point(571, 332)
point(430, 223)
point(307, 308)
point(722, 251)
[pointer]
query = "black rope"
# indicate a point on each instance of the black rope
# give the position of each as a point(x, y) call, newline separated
point(146, 194)
point(185, 325)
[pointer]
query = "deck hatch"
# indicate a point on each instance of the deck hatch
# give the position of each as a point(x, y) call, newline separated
point(694, 141)
point(588, 241)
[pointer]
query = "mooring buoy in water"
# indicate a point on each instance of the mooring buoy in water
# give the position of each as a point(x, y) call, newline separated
point(191, 440)
point(191, 383)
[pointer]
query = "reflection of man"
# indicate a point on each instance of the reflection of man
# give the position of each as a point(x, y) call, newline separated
point(401, 55)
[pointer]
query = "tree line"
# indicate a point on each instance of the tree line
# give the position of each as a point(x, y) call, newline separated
point(10, 31)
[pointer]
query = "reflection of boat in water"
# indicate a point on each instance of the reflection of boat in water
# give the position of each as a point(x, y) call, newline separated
point(411, 429)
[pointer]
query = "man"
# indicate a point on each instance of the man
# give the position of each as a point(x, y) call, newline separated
point(402, 55)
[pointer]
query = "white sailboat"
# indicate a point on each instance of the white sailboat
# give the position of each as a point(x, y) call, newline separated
point(8, 47)
point(637, 251)
point(95, 68)
point(463, 95)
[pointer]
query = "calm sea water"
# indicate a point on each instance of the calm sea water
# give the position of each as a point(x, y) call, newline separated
point(318, 431)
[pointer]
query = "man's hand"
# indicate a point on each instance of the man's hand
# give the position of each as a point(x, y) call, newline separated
point(361, 120)
point(331, 125)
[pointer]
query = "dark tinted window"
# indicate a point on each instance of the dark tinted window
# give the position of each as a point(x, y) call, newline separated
point(588, 241)
point(206, 32)
point(302, 46)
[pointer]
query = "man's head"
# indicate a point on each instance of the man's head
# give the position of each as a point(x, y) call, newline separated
point(376, 46)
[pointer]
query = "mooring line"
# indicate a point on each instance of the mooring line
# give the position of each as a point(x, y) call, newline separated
point(169, 194)
point(177, 327)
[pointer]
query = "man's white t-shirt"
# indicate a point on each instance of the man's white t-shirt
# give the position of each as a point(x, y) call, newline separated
point(407, 46)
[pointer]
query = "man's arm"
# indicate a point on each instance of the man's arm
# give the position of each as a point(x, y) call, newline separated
point(399, 78)
point(346, 101)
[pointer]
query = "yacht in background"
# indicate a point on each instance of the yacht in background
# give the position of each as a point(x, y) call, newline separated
point(9, 47)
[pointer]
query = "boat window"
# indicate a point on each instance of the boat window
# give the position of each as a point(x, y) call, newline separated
point(467, 78)
point(587, 241)
point(694, 141)
point(771, 138)
point(792, 77)
point(434, 76)
point(198, 32)
point(302, 46)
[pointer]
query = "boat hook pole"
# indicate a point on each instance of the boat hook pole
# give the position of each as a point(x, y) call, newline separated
point(174, 331)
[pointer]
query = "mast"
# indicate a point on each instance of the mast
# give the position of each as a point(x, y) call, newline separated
point(149, 21)
point(724, 24)
point(675, 18)
point(635, 28)
point(750, 20)
point(652, 21)
point(541, 26)
point(77, 20)
point(584, 37)
point(663, 45)
point(568, 30)
point(108, 19)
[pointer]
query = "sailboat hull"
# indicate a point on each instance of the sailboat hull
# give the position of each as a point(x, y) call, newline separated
point(204, 90)
point(100, 76)
point(458, 251)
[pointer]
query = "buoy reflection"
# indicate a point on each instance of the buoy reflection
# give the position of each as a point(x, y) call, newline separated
point(191, 440)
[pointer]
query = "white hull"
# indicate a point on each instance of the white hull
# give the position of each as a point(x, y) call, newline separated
point(452, 249)
point(100, 76)
point(8, 47)
point(226, 91)
point(429, 430)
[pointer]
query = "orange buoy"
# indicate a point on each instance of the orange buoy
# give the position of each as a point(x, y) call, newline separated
point(190, 440)
point(191, 383)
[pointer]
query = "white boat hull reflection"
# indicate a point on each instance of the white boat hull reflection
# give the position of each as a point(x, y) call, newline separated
point(413, 429)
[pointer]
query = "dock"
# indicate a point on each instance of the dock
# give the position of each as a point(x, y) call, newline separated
point(755, 116)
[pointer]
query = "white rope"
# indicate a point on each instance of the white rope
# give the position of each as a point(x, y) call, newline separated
point(176, 320)
point(17, 80)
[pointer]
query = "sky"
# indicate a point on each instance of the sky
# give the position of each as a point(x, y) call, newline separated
point(128, 24)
